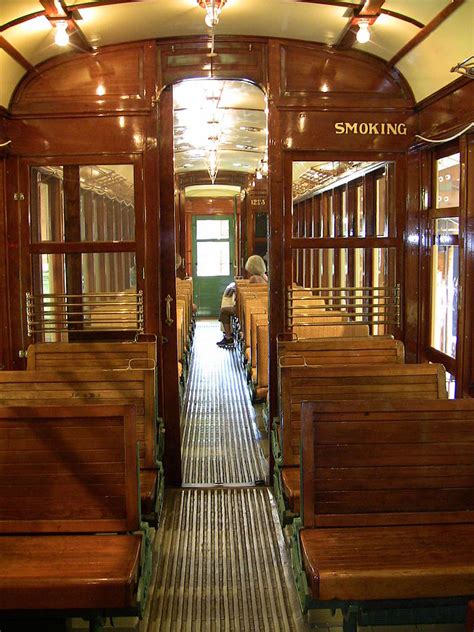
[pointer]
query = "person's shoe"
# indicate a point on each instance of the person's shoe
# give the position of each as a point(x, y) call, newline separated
point(226, 343)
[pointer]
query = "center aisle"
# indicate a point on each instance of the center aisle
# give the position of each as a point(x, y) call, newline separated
point(222, 563)
point(218, 429)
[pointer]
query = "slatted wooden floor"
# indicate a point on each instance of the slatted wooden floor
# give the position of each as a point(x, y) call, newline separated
point(218, 428)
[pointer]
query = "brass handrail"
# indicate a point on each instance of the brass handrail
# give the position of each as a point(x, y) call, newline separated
point(66, 313)
point(359, 305)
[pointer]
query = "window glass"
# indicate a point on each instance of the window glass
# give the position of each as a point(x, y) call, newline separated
point(360, 211)
point(213, 258)
point(83, 203)
point(381, 216)
point(445, 283)
point(261, 224)
point(212, 229)
point(447, 181)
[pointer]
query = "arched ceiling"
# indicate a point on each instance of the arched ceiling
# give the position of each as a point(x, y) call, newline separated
point(423, 38)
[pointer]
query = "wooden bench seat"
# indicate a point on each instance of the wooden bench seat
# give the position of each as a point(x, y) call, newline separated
point(69, 572)
point(111, 387)
point(396, 562)
point(70, 532)
point(388, 505)
point(345, 382)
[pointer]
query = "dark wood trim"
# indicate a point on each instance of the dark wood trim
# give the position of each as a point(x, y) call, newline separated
point(59, 247)
point(170, 395)
point(343, 242)
point(21, 20)
point(442, 93)
point(350, 5)
point(15, 54)
point(426, 31)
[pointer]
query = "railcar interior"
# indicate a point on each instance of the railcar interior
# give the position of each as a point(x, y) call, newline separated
point(236, 315)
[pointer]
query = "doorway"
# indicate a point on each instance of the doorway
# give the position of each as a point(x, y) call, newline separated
point(213, 257)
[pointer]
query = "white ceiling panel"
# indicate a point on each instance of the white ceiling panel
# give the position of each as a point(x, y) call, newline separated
point(13, 9)
point(35, 40)
point(11, 75)
point(422, 10)
point(428, 66)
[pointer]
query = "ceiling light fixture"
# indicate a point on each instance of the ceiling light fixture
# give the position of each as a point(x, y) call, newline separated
point(61, 37)
point(213, 10)
point(363, 34)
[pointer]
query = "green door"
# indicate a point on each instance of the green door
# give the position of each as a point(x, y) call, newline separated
point(213, 261)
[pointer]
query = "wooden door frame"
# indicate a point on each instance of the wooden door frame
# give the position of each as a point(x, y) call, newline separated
point(167, 289)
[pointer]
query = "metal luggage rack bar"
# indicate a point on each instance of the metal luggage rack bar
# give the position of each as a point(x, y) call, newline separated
point(107, 311)
point(318, 306)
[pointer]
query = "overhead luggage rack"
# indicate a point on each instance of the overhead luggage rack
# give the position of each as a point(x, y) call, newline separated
point(67, 313)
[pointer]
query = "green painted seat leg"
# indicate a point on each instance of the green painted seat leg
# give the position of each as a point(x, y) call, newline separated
point(349, 619)
point(96, 624)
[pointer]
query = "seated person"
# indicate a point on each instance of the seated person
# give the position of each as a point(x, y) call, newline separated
point(255, 266)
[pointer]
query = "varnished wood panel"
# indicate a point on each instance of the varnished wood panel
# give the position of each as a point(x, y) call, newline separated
point(5, 343)
point(75, 136)
point(68, 468)
point(447, 111)
point(113, 78)
point(317, 75)
point(235, 58)
point(387, 462)
point(317, 130)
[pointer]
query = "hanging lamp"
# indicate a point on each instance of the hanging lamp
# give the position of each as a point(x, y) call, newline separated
point(213, 10)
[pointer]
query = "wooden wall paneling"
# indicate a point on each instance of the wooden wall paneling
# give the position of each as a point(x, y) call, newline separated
point(182, 231)
point(113, 78)
point(280, 176)
point(465, 346)
point(18, 260)
point(5, 329)
point(426, 165)
point(345, 130)
point(167, 288)
point(313, 75)
point(397, 188)
point(412, 256)
point(79, 136)
point(236, 57)
point(446, 111)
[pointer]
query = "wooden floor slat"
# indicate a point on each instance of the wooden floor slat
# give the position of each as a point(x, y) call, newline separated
point(218, 421)
point(222, 567)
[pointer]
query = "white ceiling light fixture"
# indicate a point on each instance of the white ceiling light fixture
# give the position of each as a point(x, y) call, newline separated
point(363, 33)
point(213, 10)
point(61, 36)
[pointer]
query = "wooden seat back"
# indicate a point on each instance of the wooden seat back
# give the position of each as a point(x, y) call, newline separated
point(262, 355)
point(252, 290)
point(314, 330)
point(110, 387)
point(395, 462)
point(361, 350)
point(89, 355)
point(252, 305)
point(68, 469)
point(349, 382)
point(256, 318)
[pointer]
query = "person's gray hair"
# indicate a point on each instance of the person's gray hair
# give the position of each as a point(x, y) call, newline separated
point(255, 265)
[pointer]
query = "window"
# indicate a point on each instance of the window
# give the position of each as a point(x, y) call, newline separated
point(445, 285)
point(447, 181)
point(82, 245)
point(213, 247)
point(444, 220)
